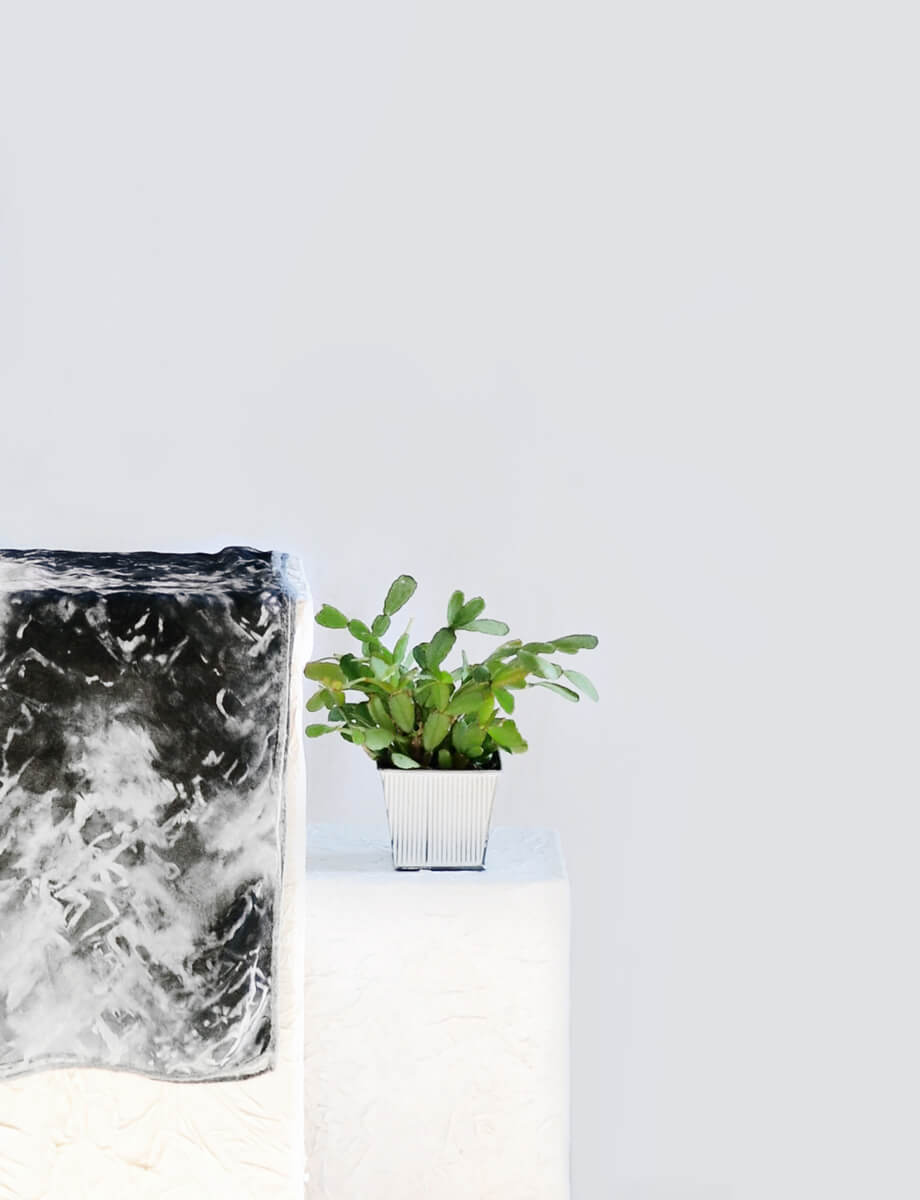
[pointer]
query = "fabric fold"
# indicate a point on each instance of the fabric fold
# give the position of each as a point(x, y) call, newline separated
point(143, 737)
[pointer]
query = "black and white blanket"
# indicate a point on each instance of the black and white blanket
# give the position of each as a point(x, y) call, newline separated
point(143, 732)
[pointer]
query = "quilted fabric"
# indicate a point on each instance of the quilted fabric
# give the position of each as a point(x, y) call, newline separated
point(79, 1132)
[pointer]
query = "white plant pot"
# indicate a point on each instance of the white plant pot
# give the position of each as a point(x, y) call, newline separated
point(439, 819)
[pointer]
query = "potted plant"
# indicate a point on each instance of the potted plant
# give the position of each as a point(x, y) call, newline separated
point(435, 734)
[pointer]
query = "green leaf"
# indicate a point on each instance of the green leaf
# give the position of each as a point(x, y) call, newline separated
point(328, 673)
point(420, 654)
point(379, 667)
point(440, 646)
point(403, 761)
point(467, 699)
point(421, 692)
point(357, 713)
point(317, 701)
point(370, 685)
point(401, 589)
point(331, 618)
point(433, 693)
point(403, 711)
point(359, 630)
point(506, 734)
point(358, 736)
point(510, 674)
point(380, 625)
point(529, 661)
point(485, 710)
point(539, 647)
point(434, 731)
point(444, 759)
point(454, 605)
point(470, 611)
point(486, 625)
point(573, 642)
point(319, 730)
point(481, 673)
point(352, 667)
point(558, 688)
point(505, 650)
point(467, 739)
point(548, 670)
point(399, 650)
point(583, 683)
point(379, 713)
point(505, 699)
point(378, 739)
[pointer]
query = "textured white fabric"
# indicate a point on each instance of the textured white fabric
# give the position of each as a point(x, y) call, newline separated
point(91, 1134)
point(437, 1022)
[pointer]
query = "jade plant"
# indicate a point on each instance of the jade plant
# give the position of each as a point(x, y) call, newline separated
point(412, 710)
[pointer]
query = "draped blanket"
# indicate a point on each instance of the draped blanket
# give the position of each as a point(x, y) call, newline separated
point(143, 733)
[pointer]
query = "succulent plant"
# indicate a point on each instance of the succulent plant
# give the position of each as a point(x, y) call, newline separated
point(414, 712)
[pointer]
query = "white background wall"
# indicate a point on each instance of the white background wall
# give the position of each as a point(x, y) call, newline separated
point(608, 311)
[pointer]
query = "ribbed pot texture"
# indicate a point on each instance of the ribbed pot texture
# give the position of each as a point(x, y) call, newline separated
point(439, 819)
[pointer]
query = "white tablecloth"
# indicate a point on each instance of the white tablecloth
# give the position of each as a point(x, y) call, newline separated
point(437, 1022)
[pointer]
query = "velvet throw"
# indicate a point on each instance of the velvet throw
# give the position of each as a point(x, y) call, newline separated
point(143, 735)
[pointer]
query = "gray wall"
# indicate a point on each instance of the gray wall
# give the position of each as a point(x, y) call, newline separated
point(606, 311)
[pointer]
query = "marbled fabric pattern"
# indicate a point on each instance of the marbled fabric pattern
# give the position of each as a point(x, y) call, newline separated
point(143, 717)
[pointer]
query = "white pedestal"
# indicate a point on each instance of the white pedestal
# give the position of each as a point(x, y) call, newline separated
point(437, 1022)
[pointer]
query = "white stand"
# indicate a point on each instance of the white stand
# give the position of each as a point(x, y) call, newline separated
point(437, 1022)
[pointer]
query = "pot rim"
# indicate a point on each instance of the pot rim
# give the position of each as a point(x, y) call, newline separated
point(441, 770)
